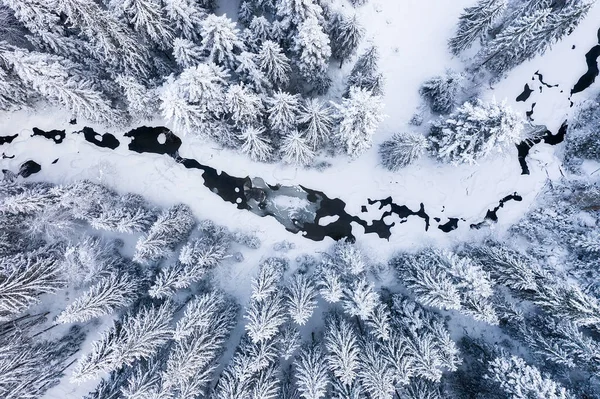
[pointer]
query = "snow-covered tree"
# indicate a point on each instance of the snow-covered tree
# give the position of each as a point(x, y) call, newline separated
point(380, 322)
point(520, 380)
point(345, 33)
point(295, 12)
point(343, 348)
point(53, 78)
point(274, 64)
point(301, 298)
point(187, 16)
point(402, 150)
point(365, 73)
point(200, 312)
point(123, 217)
point(250, 72)
point(316, 120)
point(148, 18)
point(265, 317)
point(283, 111)
point(24, 278)
point(243, 107)
point(359, 116)
point(295, 149)
point(112, 292)
point(30, 200)
point(441, 91)
point(475, 22)
point(90, 259)
point(187, 53)
point(171, 227)
point(360, 299)
point(376, 374)
point(255, 144)
point(142, 102)
point(311, 45)
point(140, 336)
point(220, 39)
point(311, 373)
point(349, 258)
point(289, 341)
point(474, 131)
point(331, 286)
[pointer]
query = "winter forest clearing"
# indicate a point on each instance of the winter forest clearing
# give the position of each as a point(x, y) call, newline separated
point(299, 199)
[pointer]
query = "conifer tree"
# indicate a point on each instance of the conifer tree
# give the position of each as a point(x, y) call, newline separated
point(104, 297)
point(475, 22)
point(402, 150)
point(283, 111)
point(220, 39)
point(142, 102)
point(295, 12)
point(365, 73)
point(311, 373)
point(474, 131)
point(316, 119)
point(311, 45)
point(295, 149)
point(255, 144)
point(360, 299)
point(251, 73)
point(289, 341)
point(441, 92)
point(265, 318)
point(301, 299)
point(187, 53)
point(147, 17)
point(343, 348)
point(274, 63)
point(345, 33)
point(376, 374)
point(243, 107)
point(187, 16)
point(359, 115)
point(171, 227)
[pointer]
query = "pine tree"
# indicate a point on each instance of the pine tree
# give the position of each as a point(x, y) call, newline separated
point(52, 77)
point(360, 299)
point(141, 100)
point(30, 200)
point(220, 39)
point(376, 374)
point(123, 217)
point(365, 73)
point(283, 111)
point(289, 341)
point(187, 53)
point(520, 380)
point(380, 322)
point(90, 259)
point(13, 94)
point(301, 299)
point(349, 258)
point(359, 116)
point(311, 373)
point(187, 16)
point(274, 63)
point(345, 33)
point(23, 279)
point(316, 119)
point(147, 17)
point(255, 144)
point(171, 227)
point(140, 336)
point(250, 72)
point(264, 318)
point(331, 286)
point(343, 348)
point(260, 29)
point(402, 150)
point(510, 47)
point(295, 12)
point(474, 131)
point(244, 107)
point(295, 149)
point(143, 381)
point(102, 298)
point(441, 92)
point(475, 22)
point(311, 45)
point(199, 312)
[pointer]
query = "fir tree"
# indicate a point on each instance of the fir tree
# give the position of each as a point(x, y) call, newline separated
point(331, 286)
point(274, 63)
point(220, 39)
point(349, 258)
point(283, 110)
point(109, 293)
point(311, 45)
point(187, 16)
point(171, 227)
point(295, 149)
point(365, 74)
point(255, 144)
point(187, 53)
point(301, 299)
point(141, 100)
point(311, 373)
point(243, 106)
point(376, 374)
point(360, 299)
point(147, 17)
point(139, 337)
point(90, 259)
point(474, 131)
point(251, 73)
point(316, 119)
point(343, 348)
point(402, 150)
point(475, 22)
point(359, 116)
point(264, 318)
point(345, 33)
point(295, 12)
point(289, 341)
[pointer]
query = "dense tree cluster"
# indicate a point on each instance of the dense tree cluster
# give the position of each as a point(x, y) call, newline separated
point(253, 85)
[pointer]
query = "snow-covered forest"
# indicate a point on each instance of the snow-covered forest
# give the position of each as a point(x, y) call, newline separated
point(299, 199)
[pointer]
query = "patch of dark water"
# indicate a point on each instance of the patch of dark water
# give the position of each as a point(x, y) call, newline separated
point(547, 137)
point(55, 135)
point(29, 168)
point(106, 140)
point(524, 96)
point(7, 139)
point(588, 78)
point(492, 214)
